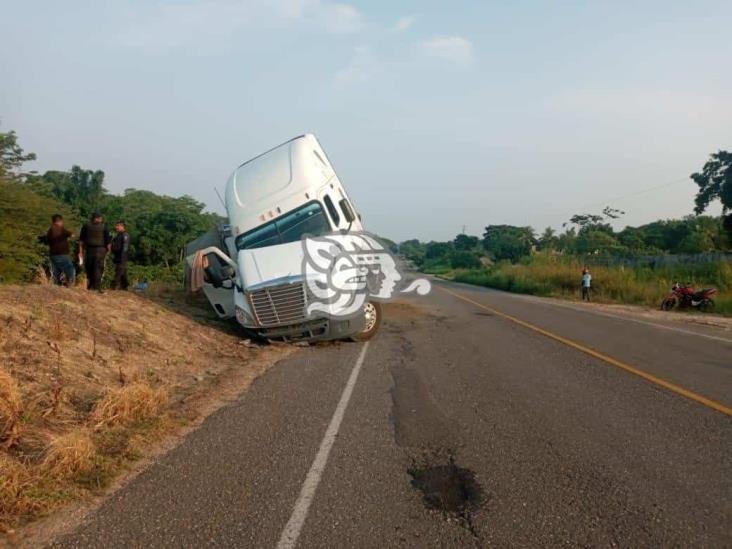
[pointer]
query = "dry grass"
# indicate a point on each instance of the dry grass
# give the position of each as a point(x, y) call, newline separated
point(69, 454)
point(10, 409)
point(129, 405)
point(89, 381)
point(16, 483)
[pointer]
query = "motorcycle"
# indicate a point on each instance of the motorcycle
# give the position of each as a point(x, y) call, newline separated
point(686, 297)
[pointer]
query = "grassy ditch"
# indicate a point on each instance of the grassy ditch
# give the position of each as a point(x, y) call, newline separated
point(89, 382)
point(560, 277)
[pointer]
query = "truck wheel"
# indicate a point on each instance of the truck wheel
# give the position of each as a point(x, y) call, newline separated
point(372, 312)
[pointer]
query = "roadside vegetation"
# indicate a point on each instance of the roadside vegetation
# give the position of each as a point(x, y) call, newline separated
point(558, 276)
point(159, 226)
point(635, 265)
point(89, 382)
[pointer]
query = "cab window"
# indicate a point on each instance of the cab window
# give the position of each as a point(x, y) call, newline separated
point(332, 210)
point(308, 219)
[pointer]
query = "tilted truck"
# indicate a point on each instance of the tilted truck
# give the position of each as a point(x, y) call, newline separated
point(254, 271)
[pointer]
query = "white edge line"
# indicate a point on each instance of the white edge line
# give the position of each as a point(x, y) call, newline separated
point(291, 533)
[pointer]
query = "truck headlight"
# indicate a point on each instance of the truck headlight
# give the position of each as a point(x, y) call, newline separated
point(243, 317)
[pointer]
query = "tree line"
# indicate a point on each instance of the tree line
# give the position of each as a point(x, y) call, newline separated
point(159, 225)
point(593, 234)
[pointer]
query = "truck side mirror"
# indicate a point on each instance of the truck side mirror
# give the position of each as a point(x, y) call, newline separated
point(217, 272)
point(347, 210)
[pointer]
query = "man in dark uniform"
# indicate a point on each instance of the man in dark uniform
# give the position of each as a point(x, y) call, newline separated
point(94, 243)
point(120, 251)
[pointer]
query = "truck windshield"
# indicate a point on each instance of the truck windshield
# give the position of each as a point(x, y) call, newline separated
point(290, 227)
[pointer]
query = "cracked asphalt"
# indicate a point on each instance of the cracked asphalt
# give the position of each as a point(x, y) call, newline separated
point(464, 429)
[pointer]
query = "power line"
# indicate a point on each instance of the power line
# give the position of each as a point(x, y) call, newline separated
point(621, 197)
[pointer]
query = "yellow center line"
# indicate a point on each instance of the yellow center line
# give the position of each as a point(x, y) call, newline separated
point(719, 407)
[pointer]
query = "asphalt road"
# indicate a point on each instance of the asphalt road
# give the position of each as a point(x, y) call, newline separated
point(459, 427)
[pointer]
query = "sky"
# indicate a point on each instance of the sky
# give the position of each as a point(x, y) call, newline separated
point(437, 116)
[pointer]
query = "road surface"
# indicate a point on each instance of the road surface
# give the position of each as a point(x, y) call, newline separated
point(475, 418)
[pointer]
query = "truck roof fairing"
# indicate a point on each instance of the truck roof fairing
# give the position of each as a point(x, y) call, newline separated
point(276, 181)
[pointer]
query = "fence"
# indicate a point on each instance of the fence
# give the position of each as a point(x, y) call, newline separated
point(654, 261)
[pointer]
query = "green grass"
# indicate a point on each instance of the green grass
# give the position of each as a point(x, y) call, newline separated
point(23, 216)
point(172, 275)
point(560, 277)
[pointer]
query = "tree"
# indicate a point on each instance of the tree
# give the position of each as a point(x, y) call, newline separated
point(464, 259)
point(437, 250)
point(508, 242)
point(412, 250)
point(159, 226)
point(592, 222)
point(597, 242)
point(696, 243)
point(715, 182)
point(632, 238)
point(12, 156)
point(466, 242)
point(548, 239)
point(82, 189)
point(565, 241)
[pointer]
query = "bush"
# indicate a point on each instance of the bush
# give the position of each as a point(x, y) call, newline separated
point(464, 259)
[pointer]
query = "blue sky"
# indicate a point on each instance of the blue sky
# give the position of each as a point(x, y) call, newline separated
point(435, 114)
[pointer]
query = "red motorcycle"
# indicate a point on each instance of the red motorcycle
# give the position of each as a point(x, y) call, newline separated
point(686, 297)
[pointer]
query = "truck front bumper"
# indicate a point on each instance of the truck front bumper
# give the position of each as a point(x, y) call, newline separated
point(321, 329)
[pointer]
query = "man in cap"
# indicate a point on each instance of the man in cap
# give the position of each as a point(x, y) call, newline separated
point(94, 243)
point(120, 251)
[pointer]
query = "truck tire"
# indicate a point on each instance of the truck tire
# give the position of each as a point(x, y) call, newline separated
point(372, 311)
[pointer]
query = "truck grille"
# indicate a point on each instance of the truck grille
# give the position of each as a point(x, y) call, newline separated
point(277, 305)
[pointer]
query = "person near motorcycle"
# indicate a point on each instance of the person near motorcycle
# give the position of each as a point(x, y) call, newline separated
point(586, 282)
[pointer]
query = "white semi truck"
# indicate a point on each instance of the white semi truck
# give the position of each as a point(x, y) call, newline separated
point(254, 271)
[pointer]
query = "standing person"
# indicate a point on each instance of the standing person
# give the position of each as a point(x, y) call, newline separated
point(586, 281)
point(120, 251)
point(57, 239)
point(94, 243)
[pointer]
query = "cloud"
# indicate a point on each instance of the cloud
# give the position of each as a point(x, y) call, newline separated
point(404, 23)
point(211, 23)
point(455, 49)
point(340, 18)
point(361, 68)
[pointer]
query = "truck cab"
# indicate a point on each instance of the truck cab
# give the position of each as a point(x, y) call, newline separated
point(254, 271)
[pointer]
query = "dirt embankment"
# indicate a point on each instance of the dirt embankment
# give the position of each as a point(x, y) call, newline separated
point(89, 383)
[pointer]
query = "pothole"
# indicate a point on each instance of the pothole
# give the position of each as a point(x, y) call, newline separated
point(448, 488)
